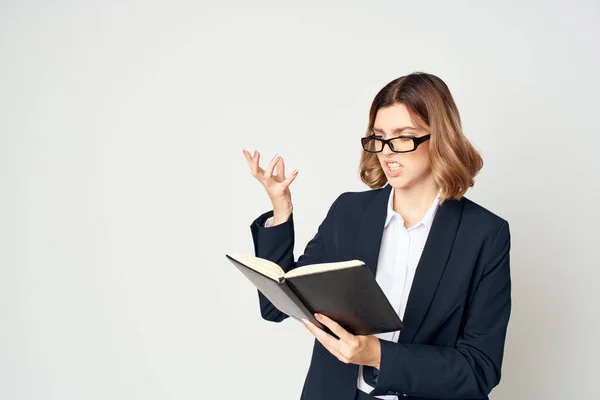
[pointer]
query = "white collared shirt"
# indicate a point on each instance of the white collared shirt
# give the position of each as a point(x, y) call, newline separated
point(399, 255)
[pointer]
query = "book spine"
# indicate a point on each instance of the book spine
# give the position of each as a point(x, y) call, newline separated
point(293, 294)
point(296, 298)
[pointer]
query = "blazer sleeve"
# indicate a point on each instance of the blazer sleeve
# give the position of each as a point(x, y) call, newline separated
point(276, 243)
point(471, 369)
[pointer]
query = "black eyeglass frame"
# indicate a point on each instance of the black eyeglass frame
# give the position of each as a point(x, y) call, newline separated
point(416, 142)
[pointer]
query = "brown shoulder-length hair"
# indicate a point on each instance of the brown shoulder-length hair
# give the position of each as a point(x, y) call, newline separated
point(454, 161)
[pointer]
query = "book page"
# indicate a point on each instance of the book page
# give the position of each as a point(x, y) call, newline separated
point(316, 268)
point(260, 265)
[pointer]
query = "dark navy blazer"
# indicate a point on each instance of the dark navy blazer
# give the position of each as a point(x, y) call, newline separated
point(458, 307)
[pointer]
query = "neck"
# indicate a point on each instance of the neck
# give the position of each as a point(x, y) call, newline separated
point(414, 201)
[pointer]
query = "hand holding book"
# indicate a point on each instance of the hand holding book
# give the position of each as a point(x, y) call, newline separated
point(349, 348)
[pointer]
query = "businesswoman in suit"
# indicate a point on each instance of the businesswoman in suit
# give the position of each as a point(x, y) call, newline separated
point(441, 259)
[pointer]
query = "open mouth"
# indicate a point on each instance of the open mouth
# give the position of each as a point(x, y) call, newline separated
point(393, 166)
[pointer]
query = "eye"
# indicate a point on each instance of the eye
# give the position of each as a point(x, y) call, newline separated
point(403, 139)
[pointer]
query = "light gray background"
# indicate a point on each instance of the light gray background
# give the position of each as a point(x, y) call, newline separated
point(123, 182)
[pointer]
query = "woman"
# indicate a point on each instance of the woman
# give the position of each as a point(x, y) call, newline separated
point(441, 259)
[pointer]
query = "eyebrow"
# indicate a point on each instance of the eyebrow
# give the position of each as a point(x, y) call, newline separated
point(395, 130)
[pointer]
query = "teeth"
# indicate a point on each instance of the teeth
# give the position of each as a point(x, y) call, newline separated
point(394, 165)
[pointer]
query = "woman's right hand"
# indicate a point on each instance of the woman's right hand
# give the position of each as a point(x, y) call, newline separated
point(277, 186)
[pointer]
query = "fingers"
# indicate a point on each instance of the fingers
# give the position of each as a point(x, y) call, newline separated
point(253, 163)
point(334, 327)
point(256, 164)
point(328, 341)
point(277, 162)
point(288, 181)
point(280, 169)
point(249, 160)
point(271, 167)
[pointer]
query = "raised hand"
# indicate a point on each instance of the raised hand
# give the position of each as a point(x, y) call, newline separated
point(276, 185)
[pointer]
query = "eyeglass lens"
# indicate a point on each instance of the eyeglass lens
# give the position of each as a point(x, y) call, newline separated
point(399, 144)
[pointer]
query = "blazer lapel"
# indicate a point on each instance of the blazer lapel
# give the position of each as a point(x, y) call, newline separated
point(431, 264)
point(370, 229)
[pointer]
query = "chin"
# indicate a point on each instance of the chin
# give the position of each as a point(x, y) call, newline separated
point(399, 182)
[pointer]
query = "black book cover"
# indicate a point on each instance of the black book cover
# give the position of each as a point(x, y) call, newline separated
point(280, 294)
point(349, 296)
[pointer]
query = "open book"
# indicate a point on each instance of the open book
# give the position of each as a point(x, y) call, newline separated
point(345, 291)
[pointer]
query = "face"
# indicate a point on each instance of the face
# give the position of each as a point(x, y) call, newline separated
point(413, 167)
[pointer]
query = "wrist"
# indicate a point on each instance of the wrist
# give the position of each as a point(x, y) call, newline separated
point(376, 346)
point(281, 214)
point(279, 217)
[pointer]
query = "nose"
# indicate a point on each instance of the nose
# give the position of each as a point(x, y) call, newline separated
point(389, 150)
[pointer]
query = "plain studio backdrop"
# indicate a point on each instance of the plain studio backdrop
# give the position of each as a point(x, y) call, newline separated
point(123, 183)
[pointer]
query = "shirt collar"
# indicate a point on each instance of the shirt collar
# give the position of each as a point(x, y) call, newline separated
point(427, 218)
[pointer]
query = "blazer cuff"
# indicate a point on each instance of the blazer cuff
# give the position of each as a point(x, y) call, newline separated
point(272, 242)
point(385, 383)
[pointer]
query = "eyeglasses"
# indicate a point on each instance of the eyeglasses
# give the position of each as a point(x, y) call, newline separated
point(398, 144)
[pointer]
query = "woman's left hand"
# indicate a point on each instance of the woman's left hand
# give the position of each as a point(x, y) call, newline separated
point(354, 349)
